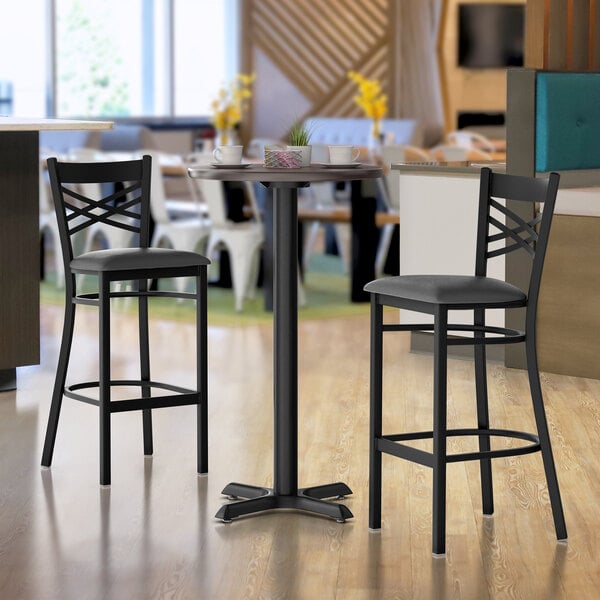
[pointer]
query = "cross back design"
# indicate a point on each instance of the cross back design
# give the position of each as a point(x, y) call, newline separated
point(522, 234)
point(104, 210)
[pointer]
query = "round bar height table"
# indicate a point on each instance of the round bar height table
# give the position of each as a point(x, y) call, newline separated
point(285, 492)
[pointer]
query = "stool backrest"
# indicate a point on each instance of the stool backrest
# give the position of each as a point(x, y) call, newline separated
point(126, 206)
point(501, 230)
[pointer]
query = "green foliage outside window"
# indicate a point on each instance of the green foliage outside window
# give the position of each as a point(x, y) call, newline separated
point(91, 73)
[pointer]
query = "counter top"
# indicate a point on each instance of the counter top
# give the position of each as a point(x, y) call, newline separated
point(576, 200)
point(580, 178)
point(38, 124)
point(464, 167)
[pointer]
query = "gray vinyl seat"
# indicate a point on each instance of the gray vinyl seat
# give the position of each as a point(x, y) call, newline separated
point(126, 207)
point(123, 259)
point(453, 290)
point(500, 230)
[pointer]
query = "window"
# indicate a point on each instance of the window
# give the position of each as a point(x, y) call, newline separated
point(199, 56)
point(115, 58)
point(23, 65)
point(140, 57)
point(98, 58)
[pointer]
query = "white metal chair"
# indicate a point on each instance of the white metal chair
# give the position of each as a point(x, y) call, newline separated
point(189, 204)
point(322, 196)
point(243, 240)
point(187, 233)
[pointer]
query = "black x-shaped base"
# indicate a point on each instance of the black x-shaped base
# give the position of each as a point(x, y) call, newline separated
point(311, 499)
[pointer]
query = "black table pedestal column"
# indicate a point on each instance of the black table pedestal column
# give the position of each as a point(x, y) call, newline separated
point(285, 492)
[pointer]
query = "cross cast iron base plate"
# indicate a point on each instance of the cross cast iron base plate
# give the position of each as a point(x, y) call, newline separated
point(311, 499)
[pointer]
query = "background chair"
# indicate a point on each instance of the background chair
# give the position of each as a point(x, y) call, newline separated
point(137, 264)
point(499, 231)
point(333, 203)
point(185, 233)
point(242, 240)
point(470, 140)
point(179, 203)
point(451, 153)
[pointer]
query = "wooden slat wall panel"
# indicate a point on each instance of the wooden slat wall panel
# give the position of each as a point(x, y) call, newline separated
point(579, 34)
point(316, 43)
point(307, 47)
point(563, 35)
point(594, 35)
point(558, 34)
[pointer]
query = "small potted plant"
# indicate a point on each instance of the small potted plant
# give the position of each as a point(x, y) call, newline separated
point(299, 141)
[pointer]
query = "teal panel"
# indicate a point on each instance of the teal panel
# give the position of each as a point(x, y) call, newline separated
point(567, 122)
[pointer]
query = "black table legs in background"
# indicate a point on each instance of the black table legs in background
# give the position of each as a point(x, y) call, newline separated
point(365, 237)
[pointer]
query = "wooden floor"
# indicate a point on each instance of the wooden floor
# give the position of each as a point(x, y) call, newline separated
point(153, 533)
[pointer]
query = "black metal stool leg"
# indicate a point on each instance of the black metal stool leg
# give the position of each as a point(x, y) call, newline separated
point(104, 377)
point(440, 359)
point(544, 437)
point(202, 370)
point(483, 418)
point(145, 365)
point(376, 414)
point(59, 382)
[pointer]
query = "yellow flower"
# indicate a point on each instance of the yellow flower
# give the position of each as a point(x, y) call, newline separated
point(231, 101)
point(370, 98)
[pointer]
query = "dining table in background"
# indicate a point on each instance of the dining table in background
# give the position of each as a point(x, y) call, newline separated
point(285, 493)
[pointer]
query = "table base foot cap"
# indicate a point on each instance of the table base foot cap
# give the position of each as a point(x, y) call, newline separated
point(337, 490)
point(241, 490)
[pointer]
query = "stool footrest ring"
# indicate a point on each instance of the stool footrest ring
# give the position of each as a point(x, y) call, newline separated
point(182, 396)
point(390, 444)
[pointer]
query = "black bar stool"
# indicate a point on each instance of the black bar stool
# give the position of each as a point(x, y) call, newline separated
point(129, 209)
point(436, 295)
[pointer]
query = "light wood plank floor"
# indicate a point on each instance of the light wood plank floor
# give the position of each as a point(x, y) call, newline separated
point(153, 533)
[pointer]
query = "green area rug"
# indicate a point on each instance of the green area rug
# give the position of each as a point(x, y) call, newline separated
point(326, 288)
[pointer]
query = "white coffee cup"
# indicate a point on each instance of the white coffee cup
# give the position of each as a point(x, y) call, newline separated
point(228, 155)
point(339, 155)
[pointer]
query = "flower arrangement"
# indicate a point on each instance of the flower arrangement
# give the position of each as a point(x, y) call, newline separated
point(230, 103)
point(370, 99)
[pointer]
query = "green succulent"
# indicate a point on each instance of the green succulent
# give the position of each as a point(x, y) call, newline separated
point(299, 134)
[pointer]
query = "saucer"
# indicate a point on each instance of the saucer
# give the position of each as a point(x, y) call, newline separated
point(351, 165)
point(226, 166)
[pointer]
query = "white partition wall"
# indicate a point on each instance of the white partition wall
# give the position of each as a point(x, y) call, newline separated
point(438, 227)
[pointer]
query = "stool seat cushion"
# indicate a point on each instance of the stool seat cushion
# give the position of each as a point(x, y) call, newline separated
point(123, 259)
point(463, 290)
